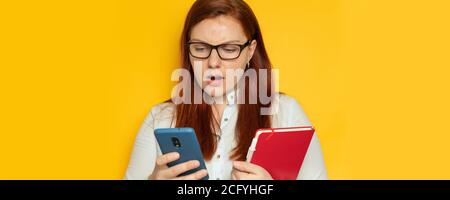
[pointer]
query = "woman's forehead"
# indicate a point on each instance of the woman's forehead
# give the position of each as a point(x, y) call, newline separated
point(218, 30)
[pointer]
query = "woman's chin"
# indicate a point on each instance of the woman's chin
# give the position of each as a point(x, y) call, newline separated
point(214, 91)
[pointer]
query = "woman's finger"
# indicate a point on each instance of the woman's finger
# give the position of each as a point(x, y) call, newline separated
point(245, 167)
point(176, 170)
point(167, 158)
point(233, 176)
point(194, 176)
point(239, 175)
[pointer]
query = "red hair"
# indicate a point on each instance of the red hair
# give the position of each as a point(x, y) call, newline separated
point(200, 116)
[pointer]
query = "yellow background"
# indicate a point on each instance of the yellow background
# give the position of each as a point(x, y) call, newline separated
point(78, 77)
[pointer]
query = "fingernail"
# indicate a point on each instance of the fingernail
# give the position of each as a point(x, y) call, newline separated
point(196, 163)
point(176, 155)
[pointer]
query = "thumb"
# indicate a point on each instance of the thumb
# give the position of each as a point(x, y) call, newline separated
point(244, 166)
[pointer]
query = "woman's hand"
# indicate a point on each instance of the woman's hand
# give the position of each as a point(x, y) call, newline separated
point(248, 171)
point(162, 172)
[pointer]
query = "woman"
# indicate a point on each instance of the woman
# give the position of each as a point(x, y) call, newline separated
point(220, 35)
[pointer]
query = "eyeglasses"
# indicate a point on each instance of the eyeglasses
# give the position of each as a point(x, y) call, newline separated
point(203, 50)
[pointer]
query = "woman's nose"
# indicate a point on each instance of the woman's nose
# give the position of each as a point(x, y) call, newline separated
point(214, 59)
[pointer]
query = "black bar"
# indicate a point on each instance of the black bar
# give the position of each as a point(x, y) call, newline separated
point(223, 189)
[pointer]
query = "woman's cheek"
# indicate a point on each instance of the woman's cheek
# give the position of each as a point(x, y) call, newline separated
point(199, 71)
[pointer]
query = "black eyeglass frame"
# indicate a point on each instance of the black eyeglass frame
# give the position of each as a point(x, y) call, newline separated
point(241, 47)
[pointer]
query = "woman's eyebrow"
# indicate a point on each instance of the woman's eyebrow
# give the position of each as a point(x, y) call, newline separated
point(227, 42)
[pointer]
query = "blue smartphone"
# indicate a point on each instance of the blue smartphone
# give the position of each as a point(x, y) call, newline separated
point(184, 141)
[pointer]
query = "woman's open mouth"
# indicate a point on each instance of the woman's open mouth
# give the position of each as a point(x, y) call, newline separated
point(214, 80)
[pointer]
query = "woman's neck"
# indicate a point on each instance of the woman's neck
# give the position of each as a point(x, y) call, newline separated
point(218, 111)
point(219, 106)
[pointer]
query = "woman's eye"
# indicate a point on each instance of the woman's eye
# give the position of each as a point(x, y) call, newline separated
point(230, 50)
point(199, 49)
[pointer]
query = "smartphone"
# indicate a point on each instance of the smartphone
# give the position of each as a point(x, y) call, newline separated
point(184, 141)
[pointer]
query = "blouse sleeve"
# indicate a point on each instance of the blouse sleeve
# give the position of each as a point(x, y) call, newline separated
point(145, 150)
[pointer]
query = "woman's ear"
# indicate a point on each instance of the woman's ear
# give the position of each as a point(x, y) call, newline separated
point(251, 48)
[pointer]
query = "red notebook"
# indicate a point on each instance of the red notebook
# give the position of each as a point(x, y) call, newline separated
point(281, 150)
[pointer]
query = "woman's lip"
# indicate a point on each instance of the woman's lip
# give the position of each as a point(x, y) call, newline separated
point(214, 80)
point(214, 76)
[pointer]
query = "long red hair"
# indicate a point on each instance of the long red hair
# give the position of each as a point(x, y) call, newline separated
point(200, 116)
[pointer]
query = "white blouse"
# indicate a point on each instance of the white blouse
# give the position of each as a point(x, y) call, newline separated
point(290, 114)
